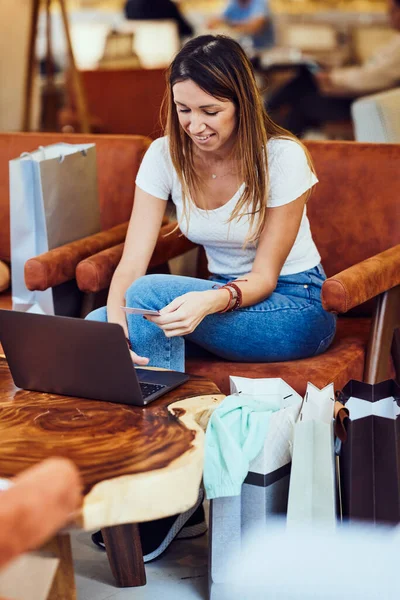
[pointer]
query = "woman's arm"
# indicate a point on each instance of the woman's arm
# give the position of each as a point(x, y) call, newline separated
point(184, 314)
point(251, 26)
point(141, 238)
point(276, 241)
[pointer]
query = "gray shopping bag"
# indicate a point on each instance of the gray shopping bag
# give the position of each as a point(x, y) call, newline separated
point(53, 201)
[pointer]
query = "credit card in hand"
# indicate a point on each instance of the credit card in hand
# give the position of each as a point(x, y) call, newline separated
point(140, 311)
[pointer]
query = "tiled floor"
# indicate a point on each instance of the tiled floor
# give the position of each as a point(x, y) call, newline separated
point(181, 574)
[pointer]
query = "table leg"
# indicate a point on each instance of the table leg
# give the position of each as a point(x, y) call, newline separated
point(63, 587)
point(125, 555)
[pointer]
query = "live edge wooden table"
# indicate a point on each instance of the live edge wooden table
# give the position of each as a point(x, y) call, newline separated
point(137, 464)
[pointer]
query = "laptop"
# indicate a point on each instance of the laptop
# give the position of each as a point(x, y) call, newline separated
point(74, 357)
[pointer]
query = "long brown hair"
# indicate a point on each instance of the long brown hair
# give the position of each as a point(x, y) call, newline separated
point(220, 67)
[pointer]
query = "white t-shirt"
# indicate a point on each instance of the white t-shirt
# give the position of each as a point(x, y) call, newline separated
point(289, 177)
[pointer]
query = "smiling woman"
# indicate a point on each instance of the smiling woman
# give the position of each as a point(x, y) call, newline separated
point(240, 185)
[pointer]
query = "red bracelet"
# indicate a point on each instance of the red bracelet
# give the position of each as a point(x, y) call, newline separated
point(235, 295)
point(227, 307)
point(239, 297)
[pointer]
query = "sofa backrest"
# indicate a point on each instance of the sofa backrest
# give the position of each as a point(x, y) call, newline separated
point(354, 210)
point(118, 159)
point(124, 101)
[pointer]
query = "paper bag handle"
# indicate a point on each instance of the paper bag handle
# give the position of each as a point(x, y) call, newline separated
point(83, 151)
point(340, 415)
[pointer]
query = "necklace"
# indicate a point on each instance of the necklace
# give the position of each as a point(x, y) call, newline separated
point(215, 176)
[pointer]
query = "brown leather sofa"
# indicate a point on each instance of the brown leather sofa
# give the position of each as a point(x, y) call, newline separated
point(355, 215)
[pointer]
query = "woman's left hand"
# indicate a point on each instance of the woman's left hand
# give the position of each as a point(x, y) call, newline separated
point(184, 313)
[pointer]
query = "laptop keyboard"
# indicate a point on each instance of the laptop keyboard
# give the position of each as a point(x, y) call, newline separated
point(150, 388)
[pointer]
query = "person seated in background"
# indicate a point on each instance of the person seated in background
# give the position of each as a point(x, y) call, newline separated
point(250, 18)
point(158, 10)
point(310, 99)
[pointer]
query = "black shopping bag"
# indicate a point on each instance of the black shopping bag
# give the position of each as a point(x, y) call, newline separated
point(370, 458)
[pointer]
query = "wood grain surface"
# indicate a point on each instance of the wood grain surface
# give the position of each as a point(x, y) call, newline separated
point(137, 464)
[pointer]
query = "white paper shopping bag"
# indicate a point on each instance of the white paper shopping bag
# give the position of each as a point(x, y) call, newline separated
point(312, 490)
point(53, 201)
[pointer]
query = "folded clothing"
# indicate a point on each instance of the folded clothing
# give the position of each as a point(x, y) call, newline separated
point(235, 435)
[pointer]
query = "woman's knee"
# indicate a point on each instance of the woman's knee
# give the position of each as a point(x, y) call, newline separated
point(100, 314)
point(146, 290)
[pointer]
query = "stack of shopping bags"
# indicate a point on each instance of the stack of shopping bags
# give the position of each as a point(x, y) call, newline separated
point(316, 463)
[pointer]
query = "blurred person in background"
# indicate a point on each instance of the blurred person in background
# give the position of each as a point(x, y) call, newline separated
point(310, 98)
point(158, 10)
point(36, 504)
point(249, 18)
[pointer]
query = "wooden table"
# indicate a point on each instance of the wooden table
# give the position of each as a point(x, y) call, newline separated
point(137, 464)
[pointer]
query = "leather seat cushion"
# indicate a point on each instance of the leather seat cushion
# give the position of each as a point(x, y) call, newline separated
point(344, 360)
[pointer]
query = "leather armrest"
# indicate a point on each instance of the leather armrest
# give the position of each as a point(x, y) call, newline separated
point(95, 273)
point(362, 281)
point(58, 266)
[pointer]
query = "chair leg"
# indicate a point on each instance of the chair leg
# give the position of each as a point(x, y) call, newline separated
point(125, 555)
point(385, 322)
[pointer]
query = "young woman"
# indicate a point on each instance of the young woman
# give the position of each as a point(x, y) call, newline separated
point(240, 185)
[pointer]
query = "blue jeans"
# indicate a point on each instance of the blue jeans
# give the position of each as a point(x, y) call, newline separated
point(288, 325)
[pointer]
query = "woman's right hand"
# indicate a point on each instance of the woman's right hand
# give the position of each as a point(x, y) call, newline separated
point(118, 316)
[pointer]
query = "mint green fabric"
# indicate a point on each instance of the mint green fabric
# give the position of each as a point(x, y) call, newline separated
point(235, 435)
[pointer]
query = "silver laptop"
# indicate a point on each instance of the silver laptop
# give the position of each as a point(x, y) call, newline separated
point(74, 357)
